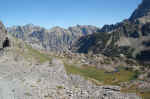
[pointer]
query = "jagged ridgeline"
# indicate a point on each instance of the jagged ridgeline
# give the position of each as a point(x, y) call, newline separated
point(111, 43)
point(130, 37)
point(54, 39)
point(142, 13)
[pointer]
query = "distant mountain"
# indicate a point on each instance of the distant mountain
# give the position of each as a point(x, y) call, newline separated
point(142, 13)
point(54, 39)
point(109, 28)
point(130, 37)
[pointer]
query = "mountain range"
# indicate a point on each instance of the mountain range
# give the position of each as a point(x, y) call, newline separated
point(54, 39)
point(130, 37)
point(90, 63)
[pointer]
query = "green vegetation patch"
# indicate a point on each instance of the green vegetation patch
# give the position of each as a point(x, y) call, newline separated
point(114, 78)
point(101, 77)
point(60, 87)
point(33, 53)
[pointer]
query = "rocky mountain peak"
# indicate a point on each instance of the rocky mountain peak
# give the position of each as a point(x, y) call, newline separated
point(142, 13)
point(56, 28)
point(83, 29)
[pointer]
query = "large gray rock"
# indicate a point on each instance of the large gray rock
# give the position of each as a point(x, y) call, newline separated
point(3, 33)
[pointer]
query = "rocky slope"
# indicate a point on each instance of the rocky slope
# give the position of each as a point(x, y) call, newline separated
point(54, 39)
point(49, 80)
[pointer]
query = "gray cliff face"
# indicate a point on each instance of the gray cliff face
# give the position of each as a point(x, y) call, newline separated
point(3, 33)
point(142, 13)
point(83, 29)
point(54, 39)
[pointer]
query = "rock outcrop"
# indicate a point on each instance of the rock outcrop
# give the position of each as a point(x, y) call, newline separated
point(3, 34)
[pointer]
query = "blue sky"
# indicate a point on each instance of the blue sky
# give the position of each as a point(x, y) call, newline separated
point(65, 13)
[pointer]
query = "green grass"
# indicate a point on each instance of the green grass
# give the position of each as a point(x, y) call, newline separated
point(30, 53)
point(33, 53)
point(60, 87)
point(100, 75)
